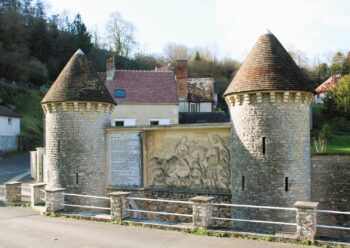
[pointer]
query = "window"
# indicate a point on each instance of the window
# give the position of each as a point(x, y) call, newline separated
point(193, 107)
point(9, 121)
point(119, 93)
point(263, 145)
point(119, 123)
point(77, 178)
point(154, 123)
point(243, 182)
point(286, 186)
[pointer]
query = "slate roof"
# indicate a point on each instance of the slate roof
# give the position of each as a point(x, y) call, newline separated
point(201, 89)
point(268, 66)
point(329, 84)
point(78, 82)
point(4, 111)
point(145, 87)
point(202, 117)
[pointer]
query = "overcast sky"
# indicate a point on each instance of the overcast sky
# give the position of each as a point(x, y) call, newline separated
point(228, 27)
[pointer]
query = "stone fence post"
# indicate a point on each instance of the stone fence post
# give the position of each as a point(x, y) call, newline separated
point(54, 199)
point(38, 194)
point(12, 192)
point(40, 163)
point(118, 205)
point(306, 218)
point(202, 211)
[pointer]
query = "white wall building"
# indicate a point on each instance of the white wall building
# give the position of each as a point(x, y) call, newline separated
point(9, 129)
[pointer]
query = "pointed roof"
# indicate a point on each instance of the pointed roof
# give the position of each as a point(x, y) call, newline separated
point(268, 66)
point(78, 82)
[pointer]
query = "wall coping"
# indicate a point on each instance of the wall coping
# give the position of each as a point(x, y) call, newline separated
point(173, 126)
point(12, 183)
point(55, 189)
point(300, 204)
point(120, 193)
point(343, 154)
point(38, 184)
point(202, 199)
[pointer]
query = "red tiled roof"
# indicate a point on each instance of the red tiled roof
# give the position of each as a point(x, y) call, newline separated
point(152, 87)
point(328, 84)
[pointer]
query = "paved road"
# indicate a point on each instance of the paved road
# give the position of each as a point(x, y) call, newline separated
point(13, 166)
point(22, 227)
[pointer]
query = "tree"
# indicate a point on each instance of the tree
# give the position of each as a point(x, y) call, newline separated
point(337, 63)
point(197, 56)
point(80, 34)
point(346, 65)
point(175, 52)
point(121, 34)
point(341, 96)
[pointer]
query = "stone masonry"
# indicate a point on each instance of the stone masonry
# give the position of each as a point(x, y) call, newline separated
point(54, 199)
point(12, 192)
point(306, 220)
point(202, 211)
point(75, 147)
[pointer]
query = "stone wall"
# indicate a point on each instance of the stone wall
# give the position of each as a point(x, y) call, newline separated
point(224, 212)
point(8, 143)
point(330, 187)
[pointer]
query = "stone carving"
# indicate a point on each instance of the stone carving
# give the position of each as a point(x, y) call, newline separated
point(199, 161)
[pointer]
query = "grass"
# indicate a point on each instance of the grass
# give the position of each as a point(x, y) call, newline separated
point(338, 143)
point(25, 102)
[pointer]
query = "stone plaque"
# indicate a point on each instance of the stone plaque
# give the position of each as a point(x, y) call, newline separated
point(125, 159)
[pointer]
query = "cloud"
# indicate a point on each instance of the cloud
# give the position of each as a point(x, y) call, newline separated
point(312, 26)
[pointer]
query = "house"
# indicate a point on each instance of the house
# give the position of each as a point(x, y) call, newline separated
point(9, 129)
point(142, 97)
point(195, 94)
point(198, 98)
point(326, 86)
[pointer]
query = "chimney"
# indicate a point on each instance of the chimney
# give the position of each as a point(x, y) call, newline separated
point(110, 68)
point(181, 73)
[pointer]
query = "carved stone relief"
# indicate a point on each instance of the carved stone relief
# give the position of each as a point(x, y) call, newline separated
point(193, 161)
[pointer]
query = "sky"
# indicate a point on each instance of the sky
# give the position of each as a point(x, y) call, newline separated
point(227, 27)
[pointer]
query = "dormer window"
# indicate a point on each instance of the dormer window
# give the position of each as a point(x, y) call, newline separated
point(119, 93)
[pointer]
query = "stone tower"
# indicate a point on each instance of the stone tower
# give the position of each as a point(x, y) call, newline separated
point(269, 101)
point(77, 108)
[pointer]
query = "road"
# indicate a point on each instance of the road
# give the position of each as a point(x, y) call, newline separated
point(22, 227)
point(14, 168)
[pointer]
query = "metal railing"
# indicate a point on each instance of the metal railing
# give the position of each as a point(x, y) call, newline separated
point(252, 220)
point(159, 212)
point(86, 206)
point(333, 212)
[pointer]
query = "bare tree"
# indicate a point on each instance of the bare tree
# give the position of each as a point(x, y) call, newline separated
point(121, 35)
point(175, 51)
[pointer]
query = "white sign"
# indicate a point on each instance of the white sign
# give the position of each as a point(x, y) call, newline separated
point(125, 159)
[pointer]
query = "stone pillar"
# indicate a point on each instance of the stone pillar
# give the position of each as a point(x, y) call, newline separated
point(54, 199)
point(118, 205)
point(202, 211)
point(306, 218)
point(38, 194)
point(33, 163)
point(12, 192)
point(40, 162)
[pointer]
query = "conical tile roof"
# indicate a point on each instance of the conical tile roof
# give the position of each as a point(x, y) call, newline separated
point(78, 82)
point(268, 66)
